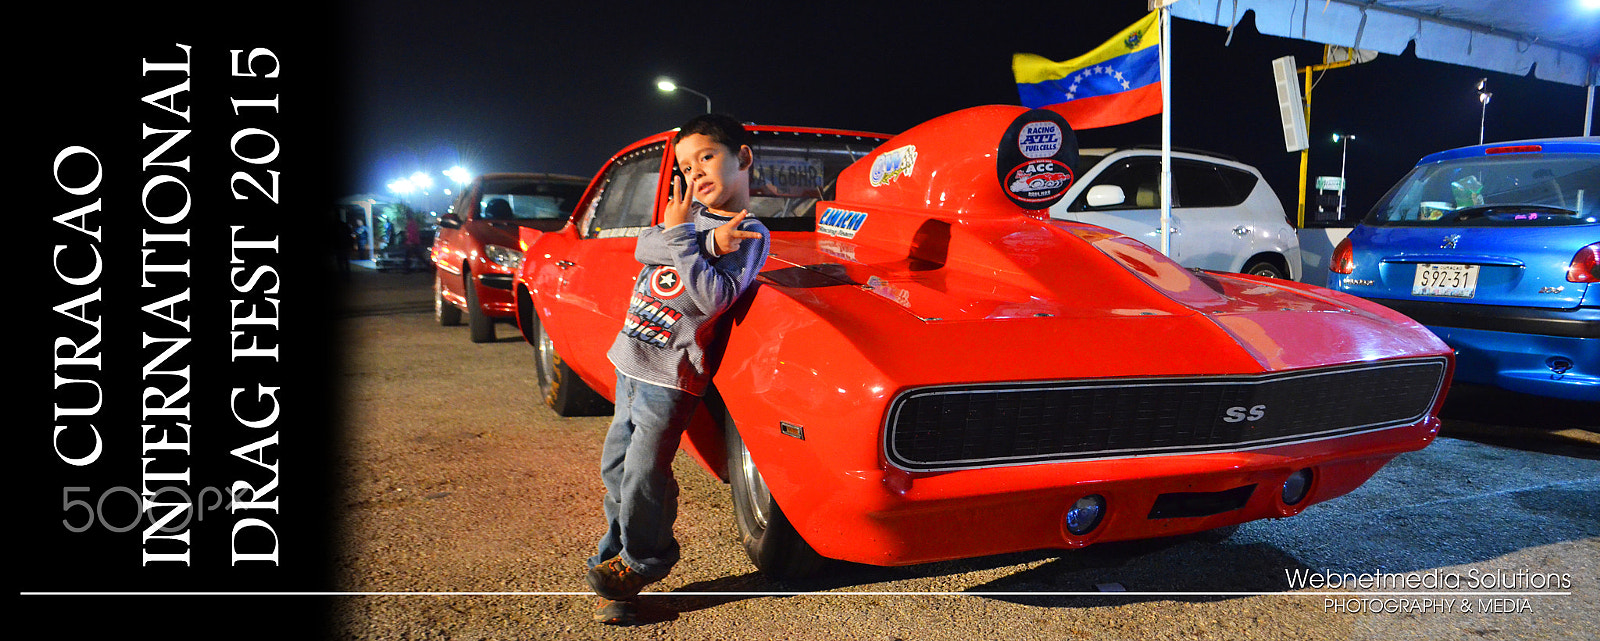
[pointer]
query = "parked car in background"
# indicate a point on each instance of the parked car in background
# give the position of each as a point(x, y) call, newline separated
point(1496, 248)
point(930, 368)
point(475, 252)
point(1224, 215)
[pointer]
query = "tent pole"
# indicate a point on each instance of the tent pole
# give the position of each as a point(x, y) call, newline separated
point(1588, 114)
point(1166, 131)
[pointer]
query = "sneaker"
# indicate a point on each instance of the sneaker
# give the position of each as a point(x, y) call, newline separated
point(612, 612)
point(616, 581)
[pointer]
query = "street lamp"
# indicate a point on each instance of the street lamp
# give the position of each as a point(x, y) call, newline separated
point(458, 174)
point(668, 86)
point(1483, 98)
point(1344, 140)
point(422, 181)
point(403, 186)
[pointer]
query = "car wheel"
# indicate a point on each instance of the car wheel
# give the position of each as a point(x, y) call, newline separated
point(447, 314)
point(478, 323)
point(1264, 269)
point(561, 388)
point(771, 542)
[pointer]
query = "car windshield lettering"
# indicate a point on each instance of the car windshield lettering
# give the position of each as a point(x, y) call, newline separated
point(790, 177)
point(1495, 191)
point(529, 200)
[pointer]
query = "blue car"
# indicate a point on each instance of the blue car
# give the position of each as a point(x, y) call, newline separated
point(1496, 249)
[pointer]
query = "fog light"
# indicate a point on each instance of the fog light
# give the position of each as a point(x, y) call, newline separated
point(1294, 489)
point(1085, 514)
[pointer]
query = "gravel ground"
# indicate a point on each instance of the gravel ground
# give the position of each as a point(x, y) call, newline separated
point(459, 481)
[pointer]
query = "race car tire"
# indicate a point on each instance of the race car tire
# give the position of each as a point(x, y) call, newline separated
point(770, 541)
point(447, 314)
point(559, 386)
point(478, 323)
point(1265, 268)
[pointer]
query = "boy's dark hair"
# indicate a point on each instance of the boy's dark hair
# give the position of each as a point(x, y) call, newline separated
point(720, 128)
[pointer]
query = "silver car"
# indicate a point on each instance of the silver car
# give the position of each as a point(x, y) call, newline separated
point(1224, 215)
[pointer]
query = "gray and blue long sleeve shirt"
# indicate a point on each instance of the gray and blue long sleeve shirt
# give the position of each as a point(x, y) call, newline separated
point(678, 297)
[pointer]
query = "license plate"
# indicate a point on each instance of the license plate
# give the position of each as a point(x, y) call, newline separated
point(1455, 281)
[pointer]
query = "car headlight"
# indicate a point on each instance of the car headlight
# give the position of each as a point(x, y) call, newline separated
point(506, 257)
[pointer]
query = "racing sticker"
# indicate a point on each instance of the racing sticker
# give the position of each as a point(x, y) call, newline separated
point(900, 295)
point(1038, 181)
point(1036, 159)
point(841, 222)
point(1039, 139)
point(892, 164)
point(665, 282)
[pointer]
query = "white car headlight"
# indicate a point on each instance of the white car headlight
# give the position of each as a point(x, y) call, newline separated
point(506, 257)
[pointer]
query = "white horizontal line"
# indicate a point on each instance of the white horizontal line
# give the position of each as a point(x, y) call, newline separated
point(794, 594)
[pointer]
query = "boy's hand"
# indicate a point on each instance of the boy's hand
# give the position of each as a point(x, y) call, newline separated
point(677, 209)
point(728, 235)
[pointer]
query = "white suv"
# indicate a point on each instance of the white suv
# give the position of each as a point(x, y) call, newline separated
point(1224, 215)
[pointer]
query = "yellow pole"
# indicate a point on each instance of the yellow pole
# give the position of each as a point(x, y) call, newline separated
point(1305, 154)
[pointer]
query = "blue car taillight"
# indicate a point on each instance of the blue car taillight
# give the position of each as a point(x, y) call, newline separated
point(1585, 266)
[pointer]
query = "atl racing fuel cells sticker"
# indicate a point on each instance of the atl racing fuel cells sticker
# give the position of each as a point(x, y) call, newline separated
point(1036, 159)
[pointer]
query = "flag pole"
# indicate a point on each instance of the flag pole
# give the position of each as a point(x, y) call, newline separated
point(1166, 123)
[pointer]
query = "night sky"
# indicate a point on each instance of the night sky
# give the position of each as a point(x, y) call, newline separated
point(560, 87)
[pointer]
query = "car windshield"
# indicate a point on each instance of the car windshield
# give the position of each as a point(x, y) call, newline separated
point(1517, 190)
point(524, 199)
point(792, 173)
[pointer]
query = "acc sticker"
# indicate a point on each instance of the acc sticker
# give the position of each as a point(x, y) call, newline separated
point(841, 222)
point(665, 282)
point(892, 164)
point(1038, 181)
point(1040, 139)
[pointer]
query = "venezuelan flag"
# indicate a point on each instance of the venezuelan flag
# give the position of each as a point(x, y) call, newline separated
point(1118, 82)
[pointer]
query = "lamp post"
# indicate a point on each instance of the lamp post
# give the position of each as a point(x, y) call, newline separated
point(667, 85)
point(1483, 99)
point(1344, 140)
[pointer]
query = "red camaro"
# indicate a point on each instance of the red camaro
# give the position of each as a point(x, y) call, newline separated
point(930, 368)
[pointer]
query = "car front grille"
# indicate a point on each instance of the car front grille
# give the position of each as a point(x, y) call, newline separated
point(973, 426)
point(497, 281)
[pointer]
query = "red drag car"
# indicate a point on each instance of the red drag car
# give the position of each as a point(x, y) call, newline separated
point(930, 368)
point(475, 252)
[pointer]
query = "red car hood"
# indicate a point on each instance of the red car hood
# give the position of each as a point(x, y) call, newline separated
point(949, 279)
point(932, 229)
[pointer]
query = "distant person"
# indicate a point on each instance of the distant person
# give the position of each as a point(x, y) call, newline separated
point(363, 239)
point(413, 243)
point(697, 263)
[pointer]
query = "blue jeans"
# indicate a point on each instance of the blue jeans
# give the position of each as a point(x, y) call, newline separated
point(636, 465)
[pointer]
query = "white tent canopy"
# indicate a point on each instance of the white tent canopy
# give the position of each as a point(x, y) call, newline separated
point(1558, 39)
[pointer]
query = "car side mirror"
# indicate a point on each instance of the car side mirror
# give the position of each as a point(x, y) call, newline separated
point(1106, 196)
point(450, 221)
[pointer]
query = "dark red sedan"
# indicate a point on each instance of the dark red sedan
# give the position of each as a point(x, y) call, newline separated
point(475, 252)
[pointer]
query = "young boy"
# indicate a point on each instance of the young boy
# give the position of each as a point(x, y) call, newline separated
point(697, 263)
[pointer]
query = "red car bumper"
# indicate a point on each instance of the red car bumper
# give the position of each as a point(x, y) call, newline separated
point(898, 518)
